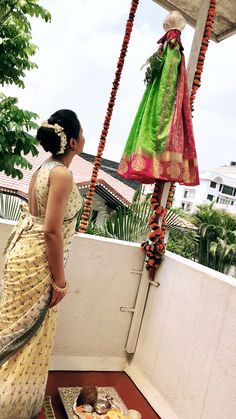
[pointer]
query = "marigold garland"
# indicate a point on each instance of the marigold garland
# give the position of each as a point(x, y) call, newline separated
point(155, 245)
point(106, 124)
point(203, 49)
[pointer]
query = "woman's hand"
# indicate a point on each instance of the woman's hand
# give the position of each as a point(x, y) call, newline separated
point(56, 297)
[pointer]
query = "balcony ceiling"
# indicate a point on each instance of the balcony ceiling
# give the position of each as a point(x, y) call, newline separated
point(225, 20)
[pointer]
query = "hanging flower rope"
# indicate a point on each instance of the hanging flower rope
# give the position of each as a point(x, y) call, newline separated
point(106, 124)
point(155, 245)
point(203, 49)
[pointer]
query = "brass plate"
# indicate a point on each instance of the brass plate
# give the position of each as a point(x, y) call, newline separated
point(68, 395)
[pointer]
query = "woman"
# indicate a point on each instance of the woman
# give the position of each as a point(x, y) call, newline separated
point(34, 277)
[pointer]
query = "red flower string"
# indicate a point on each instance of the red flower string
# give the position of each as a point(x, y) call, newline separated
point(106, 124)
point(203, 49)
point(155, 245)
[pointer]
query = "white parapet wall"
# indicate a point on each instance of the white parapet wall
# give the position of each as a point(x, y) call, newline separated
point(92, 331)
point(185, 360)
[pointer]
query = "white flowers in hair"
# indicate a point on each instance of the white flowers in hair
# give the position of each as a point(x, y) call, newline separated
point(60, 132)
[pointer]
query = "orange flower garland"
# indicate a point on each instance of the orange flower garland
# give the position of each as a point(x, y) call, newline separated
point(106, 124)
point(203, 49)
point(155, 245)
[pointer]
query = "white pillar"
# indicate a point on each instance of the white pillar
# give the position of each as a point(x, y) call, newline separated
point(197, 40)
point(165, 194)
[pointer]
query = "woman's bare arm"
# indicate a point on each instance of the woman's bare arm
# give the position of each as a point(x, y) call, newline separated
point(60, 185)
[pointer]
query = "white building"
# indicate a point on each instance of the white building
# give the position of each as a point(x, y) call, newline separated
point(218, 185)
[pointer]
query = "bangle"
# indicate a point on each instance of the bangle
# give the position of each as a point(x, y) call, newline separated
point(60, 289)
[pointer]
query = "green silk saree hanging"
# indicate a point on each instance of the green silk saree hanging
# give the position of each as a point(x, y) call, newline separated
point(161, 142)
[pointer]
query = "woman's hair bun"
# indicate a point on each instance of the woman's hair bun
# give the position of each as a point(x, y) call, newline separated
point(49, 139)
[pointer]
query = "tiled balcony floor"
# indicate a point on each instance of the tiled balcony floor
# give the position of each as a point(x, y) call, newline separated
point(122, 383)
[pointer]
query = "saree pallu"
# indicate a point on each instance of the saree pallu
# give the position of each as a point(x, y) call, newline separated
point(161, 142)
point(27, 325)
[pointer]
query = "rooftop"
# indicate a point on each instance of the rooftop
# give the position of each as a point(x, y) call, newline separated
point(82, 171)
point(107, 186)
point(110, 167)
point(227, 171)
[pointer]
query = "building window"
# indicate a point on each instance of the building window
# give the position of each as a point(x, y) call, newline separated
point(217, 199)
point(189, 194)
point(188, 207)
point(232, 202)
point(224, 201)
point(221, 186)
point(227, 190)
point(210, 197)
point(213, 184)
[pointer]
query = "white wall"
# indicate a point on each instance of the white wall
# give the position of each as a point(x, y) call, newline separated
point(185, 362)
point(92, 331)
point(201, 192)
point(99, 204)
point(200, 195)
point(5, 231)
point(225, 207)
point(204, 189)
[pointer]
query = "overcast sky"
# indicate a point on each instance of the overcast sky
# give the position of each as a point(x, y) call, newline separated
point(77, 59)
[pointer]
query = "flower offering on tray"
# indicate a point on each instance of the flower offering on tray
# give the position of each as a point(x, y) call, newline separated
point(82, 405)
point(113, 413)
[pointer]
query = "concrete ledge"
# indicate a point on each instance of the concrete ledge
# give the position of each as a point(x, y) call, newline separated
point(86, 363)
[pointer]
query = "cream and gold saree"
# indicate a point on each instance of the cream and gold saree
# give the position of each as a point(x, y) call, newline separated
point(27, 325)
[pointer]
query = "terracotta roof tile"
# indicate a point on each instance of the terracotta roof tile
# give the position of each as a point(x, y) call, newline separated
point(82, 171)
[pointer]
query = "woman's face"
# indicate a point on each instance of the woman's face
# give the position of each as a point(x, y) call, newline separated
point(80, 142)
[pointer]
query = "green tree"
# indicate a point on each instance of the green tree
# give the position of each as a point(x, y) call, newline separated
point(183, 242)
point(129, 223)
point(214, 244)
point(217, 231)
point(16, 50)
point(125, 223)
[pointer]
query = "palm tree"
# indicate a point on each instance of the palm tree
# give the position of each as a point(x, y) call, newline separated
point(223, 252)
point(125, 223)
point(217, 238)
point(130, 223)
